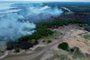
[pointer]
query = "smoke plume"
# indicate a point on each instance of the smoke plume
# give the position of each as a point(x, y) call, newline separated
point(18, 20)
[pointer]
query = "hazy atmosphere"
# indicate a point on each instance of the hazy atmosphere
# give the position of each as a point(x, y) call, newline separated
point(45, 30)
point(52, 0)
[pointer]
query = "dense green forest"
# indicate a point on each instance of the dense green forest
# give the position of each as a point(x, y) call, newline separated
point(43, 29)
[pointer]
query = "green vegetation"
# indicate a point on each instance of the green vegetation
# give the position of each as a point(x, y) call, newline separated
point(43, 29)
point(17, 50)
point(87, 36)
point(57, 23)
point(78, 54)
point(64, 57)
point(63, 46)
point(49, 41)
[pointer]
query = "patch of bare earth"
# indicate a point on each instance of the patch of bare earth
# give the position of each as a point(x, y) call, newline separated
point(74, 39)
point(72, 34)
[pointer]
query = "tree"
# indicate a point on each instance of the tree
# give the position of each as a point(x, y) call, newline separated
point(63, 46)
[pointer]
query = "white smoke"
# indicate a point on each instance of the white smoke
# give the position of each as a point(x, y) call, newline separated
point(44, 12)
point(12, 28)
point(36, 12)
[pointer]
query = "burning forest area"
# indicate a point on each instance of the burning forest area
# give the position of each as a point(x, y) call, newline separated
point(44, 31)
